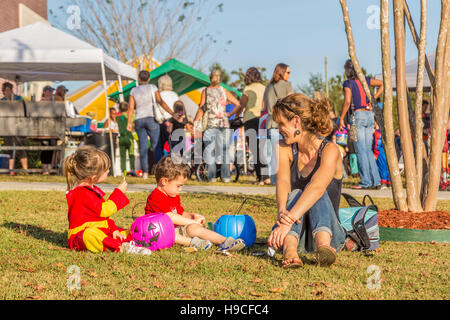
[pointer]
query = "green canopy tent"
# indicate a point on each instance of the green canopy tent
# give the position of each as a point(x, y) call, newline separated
point(184, 79)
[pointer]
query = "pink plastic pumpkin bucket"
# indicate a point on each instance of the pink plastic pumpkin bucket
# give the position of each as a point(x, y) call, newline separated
point(153, 231)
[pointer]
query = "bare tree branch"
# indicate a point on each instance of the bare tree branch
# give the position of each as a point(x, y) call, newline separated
point(417, 42)
point(419, 91)
point(129, 29)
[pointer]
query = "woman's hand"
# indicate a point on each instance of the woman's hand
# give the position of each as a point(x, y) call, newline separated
point(341, 124)
point(197, 130)
point(117, 235)
point(277, 236)
point(287, 219)
point(176, 116)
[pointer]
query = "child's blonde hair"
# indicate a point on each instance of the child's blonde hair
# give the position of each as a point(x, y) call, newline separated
point(85, 163)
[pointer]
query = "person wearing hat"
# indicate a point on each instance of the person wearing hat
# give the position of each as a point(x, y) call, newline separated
point(8, 95)
point(60, 93)
point(47, 94)
point(47, 155)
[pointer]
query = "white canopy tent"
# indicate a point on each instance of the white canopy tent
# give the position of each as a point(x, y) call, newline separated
point(411, 74)
point(40, 52)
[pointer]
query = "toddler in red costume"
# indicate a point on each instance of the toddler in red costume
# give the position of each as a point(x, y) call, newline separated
point(90, 225)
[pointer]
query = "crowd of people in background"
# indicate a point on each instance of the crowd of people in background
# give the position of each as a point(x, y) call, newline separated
point(219, 109)
point(156, 112)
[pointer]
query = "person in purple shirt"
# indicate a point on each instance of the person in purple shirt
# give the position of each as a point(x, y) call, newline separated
point(357, 104)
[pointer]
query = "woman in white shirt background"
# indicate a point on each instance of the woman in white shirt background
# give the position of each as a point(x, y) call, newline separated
point(169, 96)
point(145, 99)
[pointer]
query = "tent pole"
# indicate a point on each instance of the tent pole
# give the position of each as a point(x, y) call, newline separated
point(113, 155)
point(244, 151)
point(121, 99)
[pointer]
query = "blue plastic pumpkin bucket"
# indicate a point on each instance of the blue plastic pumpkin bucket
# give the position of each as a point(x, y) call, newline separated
point(237, 226)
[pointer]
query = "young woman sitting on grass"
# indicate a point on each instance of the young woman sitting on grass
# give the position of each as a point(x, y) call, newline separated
point(309, 180)
point(90, 225)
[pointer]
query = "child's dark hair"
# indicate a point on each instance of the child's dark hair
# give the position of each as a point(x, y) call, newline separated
point(166, 168)
point(85, 163)
point(144, 75)
point(178, 107)
point(123, 106)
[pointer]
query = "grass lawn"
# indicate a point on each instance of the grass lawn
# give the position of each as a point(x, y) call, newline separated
point(34, 260)
point(244, 180)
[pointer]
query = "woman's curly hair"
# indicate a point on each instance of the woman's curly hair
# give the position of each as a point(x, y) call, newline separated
point(314, 113)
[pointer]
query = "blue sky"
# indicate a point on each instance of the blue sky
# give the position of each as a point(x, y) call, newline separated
point(300, 33)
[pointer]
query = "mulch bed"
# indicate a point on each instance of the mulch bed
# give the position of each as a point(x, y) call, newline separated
point(436, 220)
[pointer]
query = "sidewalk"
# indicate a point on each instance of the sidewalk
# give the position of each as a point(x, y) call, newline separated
point(211, 189)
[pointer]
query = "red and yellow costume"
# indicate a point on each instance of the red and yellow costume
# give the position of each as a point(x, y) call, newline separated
point(90, 227)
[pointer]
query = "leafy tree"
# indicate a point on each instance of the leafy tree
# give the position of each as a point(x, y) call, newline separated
point(240, 74)
point(225, 74)
point(316, 83)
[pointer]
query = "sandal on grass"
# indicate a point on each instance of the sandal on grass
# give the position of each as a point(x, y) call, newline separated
point(326, 256)
point(292, 263)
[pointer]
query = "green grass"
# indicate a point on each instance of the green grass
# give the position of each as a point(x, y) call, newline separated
point(244, 180)
point(34, 260)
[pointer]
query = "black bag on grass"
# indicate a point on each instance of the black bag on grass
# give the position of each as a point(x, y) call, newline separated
point(360, 222)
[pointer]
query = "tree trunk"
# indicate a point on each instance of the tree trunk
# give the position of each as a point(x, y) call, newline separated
point(419, 91)
point(389, 140)
point(440, 109)
point(417, 39)
point(412, 190)
point(412, 116)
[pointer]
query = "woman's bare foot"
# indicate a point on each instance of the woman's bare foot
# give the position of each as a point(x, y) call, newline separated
point(292, 263)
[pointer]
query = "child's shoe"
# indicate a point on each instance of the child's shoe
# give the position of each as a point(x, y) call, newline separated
point(231, 245)
point(198, 243)
point(132, 173)
point(130, 247)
